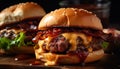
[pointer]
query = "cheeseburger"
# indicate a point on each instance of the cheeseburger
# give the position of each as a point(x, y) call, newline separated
point(69, 36)
point(18, 25)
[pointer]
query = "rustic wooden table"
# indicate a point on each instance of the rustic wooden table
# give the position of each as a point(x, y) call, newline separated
point(107, 62)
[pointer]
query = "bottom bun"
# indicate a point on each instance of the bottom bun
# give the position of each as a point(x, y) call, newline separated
point(19, 50)
point(54, 59)
point(94, 56)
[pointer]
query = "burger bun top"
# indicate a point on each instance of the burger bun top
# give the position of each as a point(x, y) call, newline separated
point(70, 17)
point(20, 12)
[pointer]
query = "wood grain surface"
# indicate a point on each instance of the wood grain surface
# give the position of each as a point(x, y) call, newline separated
point(107, 62)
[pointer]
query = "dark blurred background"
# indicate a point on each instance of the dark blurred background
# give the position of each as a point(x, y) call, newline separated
point(50, 5)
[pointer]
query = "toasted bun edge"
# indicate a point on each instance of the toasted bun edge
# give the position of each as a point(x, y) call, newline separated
point(70, 17)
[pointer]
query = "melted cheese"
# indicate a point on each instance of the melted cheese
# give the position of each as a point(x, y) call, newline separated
point(72, 39)
point(40, 43)
point(47, 40)
point(69, 36)
point(51, 59)
point(48, 63)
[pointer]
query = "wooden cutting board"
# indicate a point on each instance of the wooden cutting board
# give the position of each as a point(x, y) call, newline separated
point(107, 62)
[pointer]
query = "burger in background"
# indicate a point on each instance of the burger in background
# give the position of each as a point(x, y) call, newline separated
point(18, 25)
point(113, 37)
point(69, 36)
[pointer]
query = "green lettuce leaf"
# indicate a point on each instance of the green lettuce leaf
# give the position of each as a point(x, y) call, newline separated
point(105, 44)
point(19, 40)
point(6, 43)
